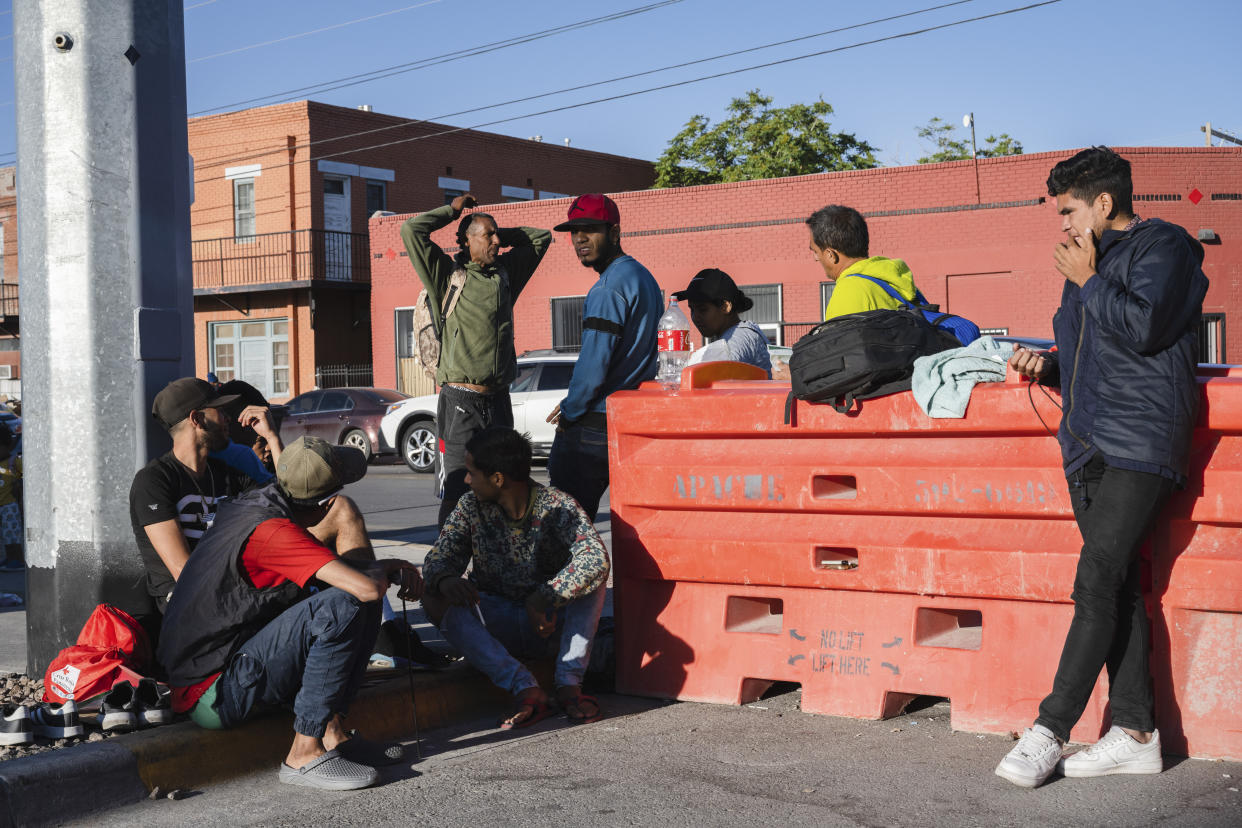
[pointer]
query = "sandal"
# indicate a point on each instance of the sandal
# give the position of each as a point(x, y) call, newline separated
point(330, 772)
point(572, 699)
point(533, 705)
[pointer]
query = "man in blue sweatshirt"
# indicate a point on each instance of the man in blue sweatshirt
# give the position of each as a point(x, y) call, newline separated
point(619, 322)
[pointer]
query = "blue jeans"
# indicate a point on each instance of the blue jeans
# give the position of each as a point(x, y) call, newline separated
point(578, 465)
point(1115, 509)
point(313, 656)
point(494, 646)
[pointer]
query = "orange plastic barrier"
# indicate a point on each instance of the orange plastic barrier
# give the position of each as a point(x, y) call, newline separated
point(856, 654)
point(875, 522)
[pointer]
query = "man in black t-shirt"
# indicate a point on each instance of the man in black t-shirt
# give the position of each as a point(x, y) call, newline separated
point(173, 499)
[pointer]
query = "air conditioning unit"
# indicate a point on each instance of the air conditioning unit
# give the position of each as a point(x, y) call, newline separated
point(6, 372)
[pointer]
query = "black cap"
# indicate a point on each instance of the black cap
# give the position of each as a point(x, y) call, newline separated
point(715, 286)
point(180, 397)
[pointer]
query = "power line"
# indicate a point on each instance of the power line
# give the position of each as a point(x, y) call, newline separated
point(435, 60)
point(200, 5)
point(313, 31)
point(210, 162)
point(676, 84)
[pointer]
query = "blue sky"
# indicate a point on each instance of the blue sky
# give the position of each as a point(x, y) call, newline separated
point(1079, 72)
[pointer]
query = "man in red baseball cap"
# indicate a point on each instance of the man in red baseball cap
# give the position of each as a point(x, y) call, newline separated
point(619, 322)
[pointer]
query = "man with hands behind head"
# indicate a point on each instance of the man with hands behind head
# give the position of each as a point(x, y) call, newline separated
point(477, 360)
point(1127, 345)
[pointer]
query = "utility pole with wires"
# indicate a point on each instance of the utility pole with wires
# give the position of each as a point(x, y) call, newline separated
point(106, 294)
point(1209, 134)
point(969, 120)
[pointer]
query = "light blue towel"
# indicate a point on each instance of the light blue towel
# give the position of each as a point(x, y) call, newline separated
point(942, 382)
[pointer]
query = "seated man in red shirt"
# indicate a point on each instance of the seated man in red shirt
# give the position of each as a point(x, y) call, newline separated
point(241, 632)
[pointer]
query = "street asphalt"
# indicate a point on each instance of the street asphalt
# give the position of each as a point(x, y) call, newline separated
point(652, 763)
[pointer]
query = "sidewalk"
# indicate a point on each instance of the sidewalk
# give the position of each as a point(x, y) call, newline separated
point(125, 768)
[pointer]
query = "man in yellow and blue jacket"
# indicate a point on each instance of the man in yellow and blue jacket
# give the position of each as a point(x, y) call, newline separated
point(839, 241)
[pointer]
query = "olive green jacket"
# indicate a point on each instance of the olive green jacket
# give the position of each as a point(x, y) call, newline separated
point(477, 342)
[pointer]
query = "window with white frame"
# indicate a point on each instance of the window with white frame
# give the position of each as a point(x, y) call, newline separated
point(1212, 338)
point(825, 296)
point(256, 351)
point(767, 312)
point(243, 210)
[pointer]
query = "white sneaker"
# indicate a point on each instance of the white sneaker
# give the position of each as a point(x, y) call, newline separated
point(1117, 752)
point(1032, 759)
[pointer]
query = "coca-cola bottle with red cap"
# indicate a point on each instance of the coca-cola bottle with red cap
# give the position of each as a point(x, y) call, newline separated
point(674, 346)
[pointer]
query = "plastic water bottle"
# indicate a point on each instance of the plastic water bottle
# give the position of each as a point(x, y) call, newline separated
point(674, 346)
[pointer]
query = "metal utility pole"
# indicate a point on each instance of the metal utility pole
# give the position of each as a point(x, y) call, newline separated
point(969, 120)
point(106, 295)
point(1209, 134)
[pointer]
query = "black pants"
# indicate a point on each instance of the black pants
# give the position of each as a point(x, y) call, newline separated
point(461, 414)
point(1114, 508)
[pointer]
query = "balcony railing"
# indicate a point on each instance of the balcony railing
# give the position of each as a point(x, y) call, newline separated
point(8, 300)
point(292, 256)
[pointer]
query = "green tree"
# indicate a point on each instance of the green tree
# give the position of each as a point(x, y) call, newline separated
point(757, 140)
point(949, 147)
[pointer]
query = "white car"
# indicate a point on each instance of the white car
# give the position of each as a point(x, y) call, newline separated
point(409, 427)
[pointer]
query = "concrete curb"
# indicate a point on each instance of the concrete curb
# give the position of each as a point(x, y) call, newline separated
point(75, 782)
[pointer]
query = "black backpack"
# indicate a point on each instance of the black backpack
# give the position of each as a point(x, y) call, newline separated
point(859, 356)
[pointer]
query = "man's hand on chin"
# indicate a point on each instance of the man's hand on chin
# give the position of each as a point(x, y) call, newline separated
point(1076, 258)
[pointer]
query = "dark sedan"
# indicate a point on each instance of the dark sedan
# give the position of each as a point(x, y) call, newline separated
point(345, 416)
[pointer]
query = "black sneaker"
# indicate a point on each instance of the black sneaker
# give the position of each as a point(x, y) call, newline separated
point(15, 725)
point(56, 722)
point(119, 709)
point(154, 703)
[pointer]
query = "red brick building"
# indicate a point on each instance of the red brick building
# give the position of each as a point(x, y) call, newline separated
point(282, 263)
point(985, 254)
point(10, 320)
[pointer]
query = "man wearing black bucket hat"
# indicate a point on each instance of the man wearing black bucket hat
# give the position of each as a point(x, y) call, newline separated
point(715, 302)
point(241, 633)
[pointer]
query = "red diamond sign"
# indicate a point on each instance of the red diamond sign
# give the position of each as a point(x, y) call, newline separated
point(1195, 196)
point(391, 254)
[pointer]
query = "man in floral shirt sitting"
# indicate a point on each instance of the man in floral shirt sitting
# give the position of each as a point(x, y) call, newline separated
point(537, 585)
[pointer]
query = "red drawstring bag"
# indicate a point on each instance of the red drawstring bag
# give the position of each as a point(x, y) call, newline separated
point(112, 647)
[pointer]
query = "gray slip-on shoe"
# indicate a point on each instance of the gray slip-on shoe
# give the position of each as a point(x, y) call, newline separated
point(330, 772)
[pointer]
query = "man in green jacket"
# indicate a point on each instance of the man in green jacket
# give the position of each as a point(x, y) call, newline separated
point(477, 360)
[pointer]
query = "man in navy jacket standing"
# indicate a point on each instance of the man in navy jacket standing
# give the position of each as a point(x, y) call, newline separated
point(620, 319)
point(1127, 346)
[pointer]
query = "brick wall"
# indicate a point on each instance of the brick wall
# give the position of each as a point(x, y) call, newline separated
point(989, 258)
point(252, 136)
point(421, 153)
point(260, 136)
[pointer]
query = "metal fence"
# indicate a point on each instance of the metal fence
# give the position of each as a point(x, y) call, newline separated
point(342, 376)
point(791, 332)
point(267, 258)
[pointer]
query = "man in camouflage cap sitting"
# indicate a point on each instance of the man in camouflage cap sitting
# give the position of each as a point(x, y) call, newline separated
point(242, 633)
